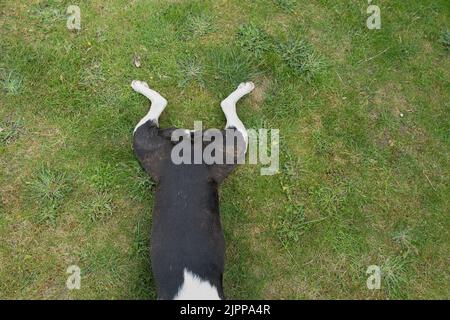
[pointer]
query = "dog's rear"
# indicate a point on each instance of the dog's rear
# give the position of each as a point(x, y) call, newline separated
point(187, 246)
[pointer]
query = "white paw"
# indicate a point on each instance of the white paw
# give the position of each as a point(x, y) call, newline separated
point(139, 86)
point(246, 87)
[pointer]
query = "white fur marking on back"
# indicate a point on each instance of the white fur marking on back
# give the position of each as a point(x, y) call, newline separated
point(194, 288)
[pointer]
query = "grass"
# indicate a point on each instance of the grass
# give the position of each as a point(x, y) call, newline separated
point(47, 189)
point(199, 25)
point(10, 131)
point(287, 5)
point(364, 127)
point(11, 83)
point(100, 208)
point(190, 70)
point(445, 39)
point(300, 57)
point(254, 40)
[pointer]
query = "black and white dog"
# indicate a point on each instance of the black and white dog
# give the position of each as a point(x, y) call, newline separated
point(187, 242)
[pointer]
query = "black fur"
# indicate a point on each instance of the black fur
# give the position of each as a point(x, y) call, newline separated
point(186, 230)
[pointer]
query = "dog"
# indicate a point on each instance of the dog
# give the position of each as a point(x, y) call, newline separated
point(187, 243)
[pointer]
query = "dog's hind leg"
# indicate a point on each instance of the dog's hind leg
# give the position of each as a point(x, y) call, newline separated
point(150, 147)
point(233, 155)
point(229, 108)
point(158, 103)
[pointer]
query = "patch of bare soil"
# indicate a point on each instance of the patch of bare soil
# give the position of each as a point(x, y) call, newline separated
point(258, 95)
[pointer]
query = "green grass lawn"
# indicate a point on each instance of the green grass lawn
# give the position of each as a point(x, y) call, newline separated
point(364, 155)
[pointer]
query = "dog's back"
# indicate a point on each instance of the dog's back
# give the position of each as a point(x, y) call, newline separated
point(187, 246)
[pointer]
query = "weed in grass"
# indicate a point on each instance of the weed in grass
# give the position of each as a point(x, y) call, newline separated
point(98, 208)
point(101, 34)
point(230, 67)
point(289, 169)
point(48, 186)
point(190, 19)
point(199, 25)
point(190, 70)
point(46, 14)
point(445, 39)
point(300, 57)
point(286, 5)
point(141, 241)
point(11, 82)
point(254, 40)
point(47, 214)
point(92, 75)
point(291, 224)
point(2, 208)
point(322, 143)
point(404, 239)
point(103, 177)
point(10, 131)
point(179, 11)
point(143, 184)
point(48, 189)
point(328, 199)
point(393, 275)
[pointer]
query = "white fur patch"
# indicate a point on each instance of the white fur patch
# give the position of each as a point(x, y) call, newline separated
point(229, 108)
point(194, 288)
point(146, 118)
point(158, 102)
